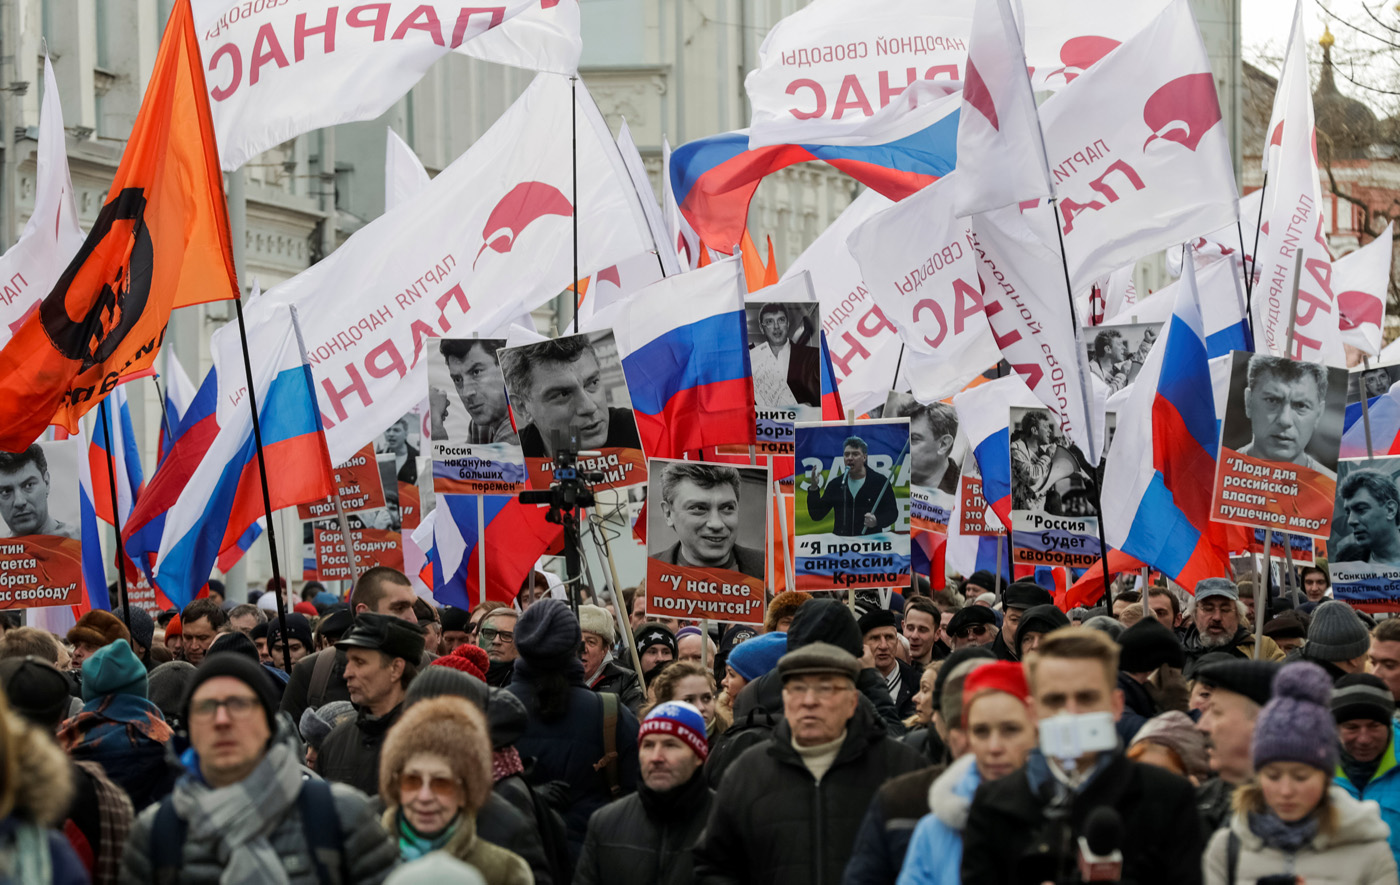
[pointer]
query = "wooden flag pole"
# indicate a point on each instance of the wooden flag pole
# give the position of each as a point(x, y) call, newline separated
point(617, 603)
point(104, 415)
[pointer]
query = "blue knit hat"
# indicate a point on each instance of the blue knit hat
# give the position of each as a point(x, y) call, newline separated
point(757, 656)
point(1297, 724)
point(680, 720)
point(114, 669)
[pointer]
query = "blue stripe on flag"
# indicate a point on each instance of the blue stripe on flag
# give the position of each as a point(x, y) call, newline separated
point(708, 351)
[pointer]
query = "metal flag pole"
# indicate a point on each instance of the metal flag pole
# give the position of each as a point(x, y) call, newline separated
point(1253, 262)
point(164, 413)
point(573, 119)
point(481, 550)
point(1366, 407)
point(104, 415)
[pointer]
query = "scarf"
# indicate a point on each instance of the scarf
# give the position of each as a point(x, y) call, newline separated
point(1359, 773)
point(239, 819)
point(676, 803)
point(413, 844)
point(504, 763)
point(1281, 835)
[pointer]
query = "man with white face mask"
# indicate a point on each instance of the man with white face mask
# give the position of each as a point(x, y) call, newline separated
point(1026, 827)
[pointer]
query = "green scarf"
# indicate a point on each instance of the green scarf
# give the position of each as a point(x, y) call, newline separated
point(413, 844)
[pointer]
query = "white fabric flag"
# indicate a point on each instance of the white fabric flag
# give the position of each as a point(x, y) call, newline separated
point(51, 237)
point(1028, 312)
point(404, 174)
point(275, 70)
point(637, 174)
point(1063, 41)
point(1138, 151)
point(1361, 280)
point(680, 235)
point(1000, 152)
point(488, 239)
point(1293, 219)
point(915, 259)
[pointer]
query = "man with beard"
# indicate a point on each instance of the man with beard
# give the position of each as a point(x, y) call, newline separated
point(481, 387)
point(1217, 624)
point(784, 373)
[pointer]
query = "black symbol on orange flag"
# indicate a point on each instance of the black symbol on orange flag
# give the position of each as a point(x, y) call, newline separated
point(91, 332)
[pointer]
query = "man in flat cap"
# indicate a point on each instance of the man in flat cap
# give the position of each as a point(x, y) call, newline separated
point(817, 775)
point(1020, 596)
point(878, 632)
point(382, 654)
point(1238, 690)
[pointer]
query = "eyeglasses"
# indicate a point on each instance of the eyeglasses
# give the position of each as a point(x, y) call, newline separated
point(491, 634)
point(978, 630)
point(238, 708)
point(445, 788)
point(823, 690)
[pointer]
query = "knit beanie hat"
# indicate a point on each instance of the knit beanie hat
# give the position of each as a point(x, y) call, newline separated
point(454, 619)
point(166, 686)
point(36, 690)
point(316, 723)
point(680, 720)
point(1040, 619)
point(1253, 679)
point(1177, 732)
point(758, 656)
point(237, 666)
point(547, 635)
point(1003, 676)
point(298, 628)
point(173, 628)
point(1362, 696)
point(596, 620)
point(1297, 724)
point(1336, 633)
point(97, 628)
point(784, 605)
point(113, 669)
point(650, 634)
point(1148, 645)
point(236, 643)
point(875, 619)
point(324, 600)
point(733, 638)
point(306, 609)
point(467, 658)
point(143, 629)
point(437, 681)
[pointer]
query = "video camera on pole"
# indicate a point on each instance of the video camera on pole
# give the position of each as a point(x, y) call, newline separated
point(570, 490)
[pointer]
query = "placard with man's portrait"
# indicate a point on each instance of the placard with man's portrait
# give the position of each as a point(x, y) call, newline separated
point(936, 451)
point(1364, 548)
point(706, 540)
point(41, 542)
point(475, 449)
point(1278, 445)
point(569, 394)
point(1054, 491)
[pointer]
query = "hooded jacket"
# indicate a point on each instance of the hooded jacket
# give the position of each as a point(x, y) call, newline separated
point(935, 851)
point(127, 736)
point(1383, 788)
point(39, 797)
point(1356, 854)
point(773, 823)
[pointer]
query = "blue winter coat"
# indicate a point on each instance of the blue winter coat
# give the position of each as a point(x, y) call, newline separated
point(935, 852)
point(1383, 789)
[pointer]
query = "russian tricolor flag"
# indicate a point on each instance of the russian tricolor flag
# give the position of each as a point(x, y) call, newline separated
point(179, 394)
point(94, 571)
point(515, 536)
point(832, 409)
point(984, 414)
point(684, 348)
point(224, 494)
point(113, 423)
point(1156, 488)
point(714, 178)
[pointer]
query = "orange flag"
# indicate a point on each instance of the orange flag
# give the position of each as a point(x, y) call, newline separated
point(161, 242)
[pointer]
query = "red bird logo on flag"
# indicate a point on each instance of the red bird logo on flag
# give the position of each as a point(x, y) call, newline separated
point(1183, 111)
point(526, 203)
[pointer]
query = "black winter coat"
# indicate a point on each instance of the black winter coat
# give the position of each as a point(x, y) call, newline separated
point(878, 854)
point(623, 683)
point(875, 496)
point(773, 823)
point(631, 844)
point(505, 826)
point(1007, 821)
point(350, 753)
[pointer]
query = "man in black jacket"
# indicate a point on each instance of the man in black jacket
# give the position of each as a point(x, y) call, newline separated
point(1025, 827)
point(600, 671)
point(1021, 595)
point(878, 632)
point(788, 810)
point(646, 838)
point(863, 499)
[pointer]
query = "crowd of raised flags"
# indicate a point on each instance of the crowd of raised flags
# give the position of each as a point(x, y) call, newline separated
point(926, 283)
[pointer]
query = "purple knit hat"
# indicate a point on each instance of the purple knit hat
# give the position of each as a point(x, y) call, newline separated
point(1297, 724)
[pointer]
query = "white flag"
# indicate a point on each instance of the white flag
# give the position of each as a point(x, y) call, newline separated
point(1138, 150)
point(1000, 152)
point(921, 271)
point(1293, 215)
point(404, 174)
point(276, 69)
point(1361, 280)
point(488, 239)
point(637, 174)
point(50, 239)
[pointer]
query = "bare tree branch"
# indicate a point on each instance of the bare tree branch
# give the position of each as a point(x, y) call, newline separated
point(1362, 32)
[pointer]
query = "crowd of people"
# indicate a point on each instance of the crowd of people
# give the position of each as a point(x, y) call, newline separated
point(975, 734)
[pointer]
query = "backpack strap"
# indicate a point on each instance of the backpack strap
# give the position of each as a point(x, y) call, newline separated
point(608, 764)
point(1232, 857)
point(167, 843)
point(321, 826)
point(320, 678)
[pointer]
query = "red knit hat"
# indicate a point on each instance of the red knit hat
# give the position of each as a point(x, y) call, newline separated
point(468, 658)
point(307, 609)
point(173, 628)
point(1007, 676)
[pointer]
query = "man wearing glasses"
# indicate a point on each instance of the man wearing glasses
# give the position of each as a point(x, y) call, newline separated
point(973, 625)
point(497, 638)
point(247, 808)
point(825, 761)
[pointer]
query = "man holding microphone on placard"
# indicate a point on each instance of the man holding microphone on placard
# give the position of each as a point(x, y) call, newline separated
point(862, 499)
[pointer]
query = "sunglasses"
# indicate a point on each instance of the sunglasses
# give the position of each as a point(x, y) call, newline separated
point(445, 788)
point(978, 630)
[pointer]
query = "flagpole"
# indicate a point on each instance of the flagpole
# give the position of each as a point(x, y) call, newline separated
point(1254, 258)
point(781, 504)
point(573, 118)
point(631, 640)
point(897, 364)
point(104, 415)
point(481, 550)
point(164, 413)
point(1366, 406)
point(262, 476)
point(1267, 571)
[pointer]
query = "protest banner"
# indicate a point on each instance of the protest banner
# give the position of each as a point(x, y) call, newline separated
point(41, 545)
point(696, 566)
point(1279, 444)
point(935, 457)
point(374, 541)
point(1054, 507)
point(975, 517)
point(785, 353)
point(851, 505)
point(1115, 354)
point(359, 485)
point(1365, 540)
point(475, 449)
point(1301, 547)
point(570, 393)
